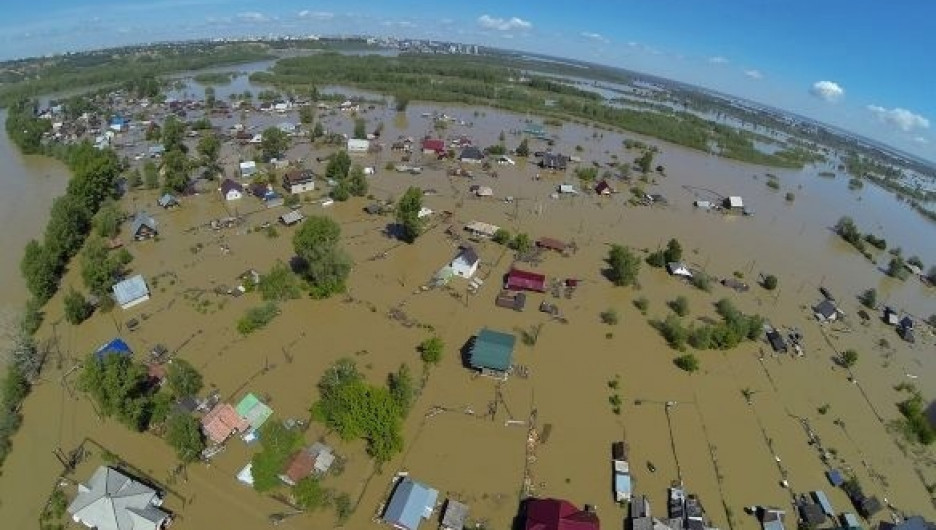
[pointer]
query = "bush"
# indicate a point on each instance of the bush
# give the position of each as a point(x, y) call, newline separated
point(849, 358)
point(701, 281)
point(680, 306)
point(674, 332)
point(280, 284)
point(790, 197)
point(256, 318)
point(77, 308)
point(185, 436)
point(609, 316)
point(868, 298)
point(687, 362)
point(501, 237)
point(770, 282)
point(642, 304)
point(430, 350)
point(623, 266)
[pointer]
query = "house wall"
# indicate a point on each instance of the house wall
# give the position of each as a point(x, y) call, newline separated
point(302, 187)
point(233, 195)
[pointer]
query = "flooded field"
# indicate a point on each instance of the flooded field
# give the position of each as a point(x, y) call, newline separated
point(731, 451)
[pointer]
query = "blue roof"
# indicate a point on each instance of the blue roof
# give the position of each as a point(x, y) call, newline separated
point(851, 521)
point(411, 503)
point(824, 502)
point(835, 477)
point(622, 483)
point(114, 347)
point(776, 524)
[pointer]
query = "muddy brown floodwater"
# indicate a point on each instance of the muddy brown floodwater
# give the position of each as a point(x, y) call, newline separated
point(730, 452)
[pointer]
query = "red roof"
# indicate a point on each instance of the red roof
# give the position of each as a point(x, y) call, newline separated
point(221, 422)
point(557, 514)
point(430, 144)
point(519, 280)
point(300, 466)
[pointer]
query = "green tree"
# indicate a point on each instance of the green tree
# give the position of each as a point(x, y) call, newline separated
point(306, 114)
point(183, 379)
point(868, 298)
point(360, 128)
point(849, 358)
point(623, 266)
point(318, 130)
point(523, 150)
point(674, 332)
point(183, 433)
point(39, 269)
point(430, 350)
point(501, 236)
point(645, 161)
point(77, 308)
point(117, 386)
point(150, 175)
point(609, 316)
point(134, 179)
point(673, 251)
point(407, 214)
point(173, 132)
point(325, 265)
point(687, 362)
point(209, 148)
point(273, 144)
point(309, 494)
point(210, 97)
point(175, 167)
point(897, 268)
point(357, 181)
point(98, 268)
point(107, 221)
point(522, 243)
point(280, 284)
point(278, 444)
point(338, 166)
point(402, 388)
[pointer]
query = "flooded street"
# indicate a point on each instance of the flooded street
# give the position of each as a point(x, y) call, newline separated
point(730, 452)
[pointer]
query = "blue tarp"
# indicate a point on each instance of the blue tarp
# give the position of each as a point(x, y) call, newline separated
point(835, 477)
point(114, 347)
point(411, 503)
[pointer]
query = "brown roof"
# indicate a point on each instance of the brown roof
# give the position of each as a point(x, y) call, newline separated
point(551, 244)
point(298, 177)
point(221, 422)
point(300, 466)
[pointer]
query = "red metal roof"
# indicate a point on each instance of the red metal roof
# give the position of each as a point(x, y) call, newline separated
point(436, 145)
point(519, 280)
point(557, 514)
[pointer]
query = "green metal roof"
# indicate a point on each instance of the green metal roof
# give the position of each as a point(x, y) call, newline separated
point(493, 350)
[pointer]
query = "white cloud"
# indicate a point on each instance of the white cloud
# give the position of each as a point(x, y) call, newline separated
point(920, 140)
point(899, 118)
point(253, 16)
point(827, 90)
point(754, 74)
point(398, 24)
point(598, 37)
point(503, 24)
point(718, 59)
point(316, 15)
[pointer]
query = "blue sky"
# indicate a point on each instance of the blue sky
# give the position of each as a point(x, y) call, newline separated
point(864, 65)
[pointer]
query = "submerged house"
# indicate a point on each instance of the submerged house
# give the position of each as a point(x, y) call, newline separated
point(143, 227)
point(734, 203)
point(313, 460)
point(471, 154)
point(455, 515)
point(678, 268)
point(131, 292)
point(114, 347)
point(221, 422)
point(604, 188)
point(253, 411)
point(248, 169)
point(299, 181)
point(557, 514)
point(231, 191)
point(466, 262)
point(111, 500)
point(168, 201)
point(520, 280)
point(492, 353)
point(826, 311)
point(356, 145)
point(410, 503)
point(554, 161)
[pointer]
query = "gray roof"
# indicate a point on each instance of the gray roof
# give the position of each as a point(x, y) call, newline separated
point(411, 502)
point(455, 515)
point(142, 219)
point(468, 255)
point(167, 200)
point(826, 308)
point(113, 501)
point(130, 289)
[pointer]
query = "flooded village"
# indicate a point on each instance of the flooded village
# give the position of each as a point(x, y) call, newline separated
point(554, 386)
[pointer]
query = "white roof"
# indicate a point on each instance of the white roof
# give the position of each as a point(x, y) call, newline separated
point(484, 191)
point(130, 290)
point(356, 144)
point(423, 212)
point(735, 202)
point(479, 227)
point(567, 188)
point(114, 501)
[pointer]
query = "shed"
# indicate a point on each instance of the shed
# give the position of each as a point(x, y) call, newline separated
point(131, 292)
point(823, 501)
point(291, 217)
point(850, 521)
point(492, 351)
point(891, 317)
point(776, 341)
point(483, 191)
point(143, 226)
point(454, 516)
point(678, 268)
point(520, 280)
point(410, 503)
point(568, 188)
point(478, 228)
point(356, 145)
point(168, 201)
point(811, 514)
point(771, 518)
point(248, 168)
point(734, 202)
point(604, 188)
point(254, 411)
point(705, 205)
point(114, 347)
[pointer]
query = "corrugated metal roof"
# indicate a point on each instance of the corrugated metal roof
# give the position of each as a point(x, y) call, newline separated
point(130, 291)
point(410, 504)
point(493, 350)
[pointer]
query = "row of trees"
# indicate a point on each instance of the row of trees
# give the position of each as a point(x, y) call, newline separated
point(734, 328)
point(24, 361)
